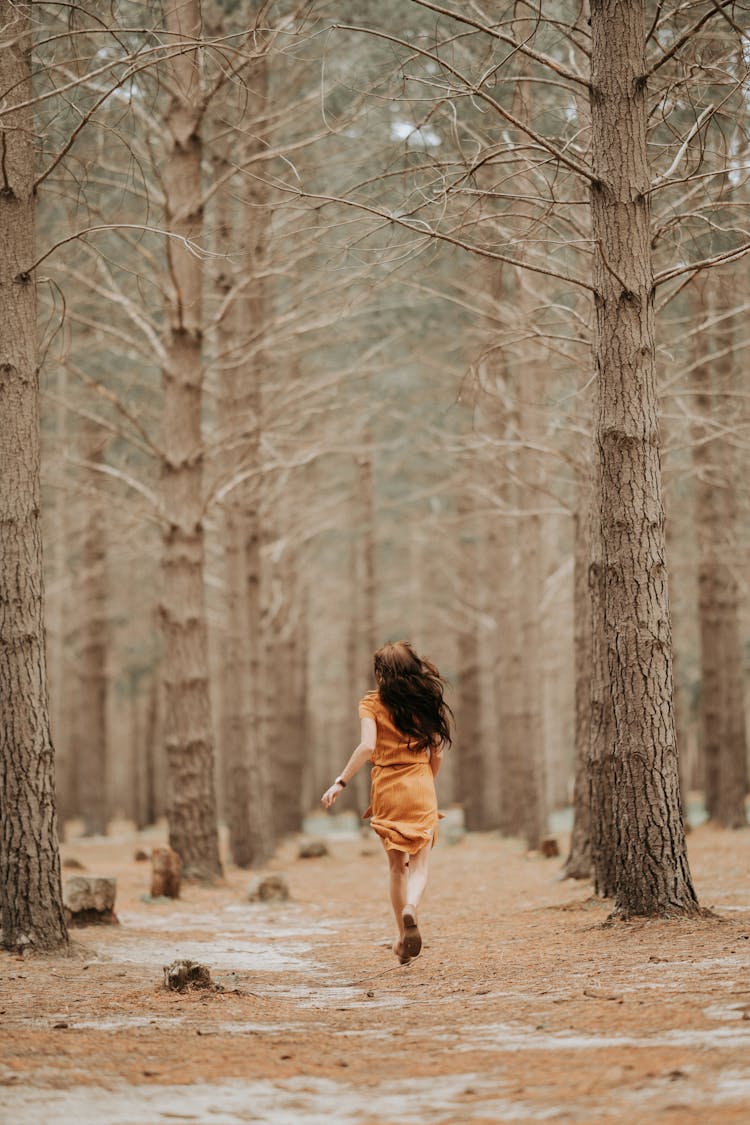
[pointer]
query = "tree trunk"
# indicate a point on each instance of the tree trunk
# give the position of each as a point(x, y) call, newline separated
point(652, 876)
point(578, 863)
point(91, 718)
point(722, 708)
point(31, 910)
point(601, 726)
point(237, 416)
point(187, 719)
point(470, 772)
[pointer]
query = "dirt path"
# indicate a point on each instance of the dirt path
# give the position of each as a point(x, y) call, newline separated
point(522, 1007)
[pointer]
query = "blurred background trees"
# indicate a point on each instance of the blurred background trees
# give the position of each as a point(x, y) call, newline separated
point(316, 317)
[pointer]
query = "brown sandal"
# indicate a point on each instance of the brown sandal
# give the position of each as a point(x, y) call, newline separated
point(412, 941)
point(398, 950)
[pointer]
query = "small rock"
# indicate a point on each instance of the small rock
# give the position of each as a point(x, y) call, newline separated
point(89, 900)
point(268, 888)
point(140, 856)
point(312, 849)
point(166, 868)
point(61, 1024)
point(550, 847)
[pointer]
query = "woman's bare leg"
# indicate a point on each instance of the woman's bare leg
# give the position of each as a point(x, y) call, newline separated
point(417, 876)
point(398, 869)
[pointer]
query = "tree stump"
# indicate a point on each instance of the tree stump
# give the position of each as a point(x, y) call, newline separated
point(550, 847)
point(268, 888)
point(89, 900)
point(165, 873)
point(312, 849)
point(181, 975)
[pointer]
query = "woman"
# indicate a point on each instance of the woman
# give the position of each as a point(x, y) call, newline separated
point(405, 727)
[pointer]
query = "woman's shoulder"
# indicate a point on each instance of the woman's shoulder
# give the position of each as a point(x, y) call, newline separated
point(370, 705)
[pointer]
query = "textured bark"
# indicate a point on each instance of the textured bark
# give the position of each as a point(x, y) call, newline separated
point(722, 708)
point(31, 909)
point(91, 716)
point(578, 863)
point(187, 708)
point(652, 876)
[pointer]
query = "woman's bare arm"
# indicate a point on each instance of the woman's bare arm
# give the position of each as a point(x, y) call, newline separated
point(362, 754)
point(436, 759)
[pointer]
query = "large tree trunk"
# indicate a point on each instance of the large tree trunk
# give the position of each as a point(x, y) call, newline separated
point(187, 718)
point(652, 876)
point(31, 911)
point(722, 709)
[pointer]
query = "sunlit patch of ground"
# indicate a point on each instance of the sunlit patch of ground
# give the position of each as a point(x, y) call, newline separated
point(522, 1006)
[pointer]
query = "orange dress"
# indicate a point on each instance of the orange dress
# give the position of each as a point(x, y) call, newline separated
point(403, 803)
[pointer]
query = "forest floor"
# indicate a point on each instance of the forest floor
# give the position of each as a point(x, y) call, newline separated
point(523, 1006)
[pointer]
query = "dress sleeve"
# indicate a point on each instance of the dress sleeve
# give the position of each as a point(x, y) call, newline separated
point(367, 708)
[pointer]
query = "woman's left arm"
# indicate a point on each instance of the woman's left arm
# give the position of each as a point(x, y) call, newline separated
point(363, 753)
point(436, 759)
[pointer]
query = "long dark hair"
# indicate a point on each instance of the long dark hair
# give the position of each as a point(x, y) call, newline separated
point(412, 690)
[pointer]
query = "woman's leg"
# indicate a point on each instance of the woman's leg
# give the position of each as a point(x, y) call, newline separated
point(398, 869)
point(417, 876)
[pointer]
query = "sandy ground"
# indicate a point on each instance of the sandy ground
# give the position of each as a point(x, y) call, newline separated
point(524, 1005)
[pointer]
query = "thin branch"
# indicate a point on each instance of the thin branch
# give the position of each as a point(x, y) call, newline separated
point(477, 91)
point(431, 233)
point(683, 148)
point(704, 264)
point(523, 47)
point(686, 36)
point(191, 247)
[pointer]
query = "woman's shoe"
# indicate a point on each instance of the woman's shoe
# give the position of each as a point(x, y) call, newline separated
point(398, 950)
point(412, 940)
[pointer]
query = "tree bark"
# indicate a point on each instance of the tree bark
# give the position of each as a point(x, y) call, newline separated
point(187, 719)
point(578, 863)
point(31, 909)
point(722, 708)
point(652, 876)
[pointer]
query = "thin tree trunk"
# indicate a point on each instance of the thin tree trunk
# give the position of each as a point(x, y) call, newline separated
point(652, 876)
point(288, 749)
point(470, 773)
point(234, 687)
point(91, 720)
point(57, 626)
point(31, 911)
point(601, 725)
point(185, 668)
point(578, 863)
